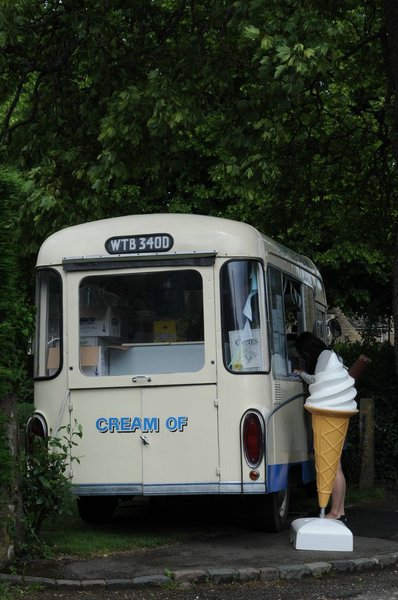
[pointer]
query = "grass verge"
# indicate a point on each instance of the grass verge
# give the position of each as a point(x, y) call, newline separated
point(74, 537)
point(137, 526)
point(13, 592)
point(357, 496)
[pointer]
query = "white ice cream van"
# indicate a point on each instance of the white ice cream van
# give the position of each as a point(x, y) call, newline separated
point(170, 339)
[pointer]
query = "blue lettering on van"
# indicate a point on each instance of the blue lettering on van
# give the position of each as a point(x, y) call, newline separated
point(142, 424)
point(150, 424)
point(176, 423)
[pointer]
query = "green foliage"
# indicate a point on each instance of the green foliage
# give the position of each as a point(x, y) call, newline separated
point(16, 315)
point(7, 285)
point(380, 383)
point(6, 461)
point(13, 341)
point(274, 113)
point(45, 483)
point(9, 591)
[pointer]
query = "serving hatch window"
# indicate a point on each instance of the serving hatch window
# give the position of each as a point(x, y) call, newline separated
point(141, 323)
point(243, 343)
point(287, 307)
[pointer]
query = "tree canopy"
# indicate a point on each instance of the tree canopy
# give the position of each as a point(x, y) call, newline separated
point(278, 114)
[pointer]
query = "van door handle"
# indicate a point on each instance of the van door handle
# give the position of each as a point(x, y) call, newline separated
point(145, 440)
point(137, 377)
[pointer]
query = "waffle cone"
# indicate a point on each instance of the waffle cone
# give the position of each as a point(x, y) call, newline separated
point(330, 429)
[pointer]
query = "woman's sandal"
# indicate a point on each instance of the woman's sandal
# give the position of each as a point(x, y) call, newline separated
point(343, 519)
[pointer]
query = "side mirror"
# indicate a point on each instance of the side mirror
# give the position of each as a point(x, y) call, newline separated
point(334, 328)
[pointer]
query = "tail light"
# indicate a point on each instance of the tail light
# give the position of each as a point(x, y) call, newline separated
point(253, 439)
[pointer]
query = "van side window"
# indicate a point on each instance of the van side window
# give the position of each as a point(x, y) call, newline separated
point(48, 342)
point(309, 309)
point(243, 339)
point(321, 322)
point(286, 301)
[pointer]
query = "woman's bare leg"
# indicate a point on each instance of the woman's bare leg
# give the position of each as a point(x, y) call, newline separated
point(338, 495)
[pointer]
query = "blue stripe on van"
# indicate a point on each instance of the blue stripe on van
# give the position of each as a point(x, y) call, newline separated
point(277, 475)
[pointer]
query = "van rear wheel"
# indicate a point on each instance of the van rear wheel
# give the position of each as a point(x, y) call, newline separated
point(272, 511)
point(96, 509)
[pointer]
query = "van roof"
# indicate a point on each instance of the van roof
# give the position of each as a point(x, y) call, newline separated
point(190, 234)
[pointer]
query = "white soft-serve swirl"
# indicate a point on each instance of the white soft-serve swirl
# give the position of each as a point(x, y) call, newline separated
point(333, 388)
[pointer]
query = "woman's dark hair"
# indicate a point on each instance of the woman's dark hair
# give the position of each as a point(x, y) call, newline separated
point(309, 347)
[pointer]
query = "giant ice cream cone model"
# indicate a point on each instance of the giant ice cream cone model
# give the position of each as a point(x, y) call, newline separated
point(331, 404)
point(330, 429)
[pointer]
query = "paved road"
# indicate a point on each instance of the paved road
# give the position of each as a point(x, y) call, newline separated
point(225, 547)
point(238, 562)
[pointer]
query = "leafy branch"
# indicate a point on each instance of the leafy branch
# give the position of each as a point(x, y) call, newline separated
point(46, 487)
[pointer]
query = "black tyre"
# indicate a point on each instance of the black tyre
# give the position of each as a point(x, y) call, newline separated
point(272, 511)
point(96, 509)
